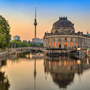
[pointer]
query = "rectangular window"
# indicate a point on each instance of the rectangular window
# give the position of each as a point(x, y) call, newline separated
point(65, 39)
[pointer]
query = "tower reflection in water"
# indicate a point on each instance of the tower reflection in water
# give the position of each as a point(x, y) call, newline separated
point(63, 69)
point(35, 73)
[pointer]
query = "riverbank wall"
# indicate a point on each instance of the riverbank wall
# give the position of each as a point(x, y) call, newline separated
point(13, 51)
point(26, 49)
point(20, 50)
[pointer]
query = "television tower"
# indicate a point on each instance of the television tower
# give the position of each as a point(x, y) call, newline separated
point(35, 22)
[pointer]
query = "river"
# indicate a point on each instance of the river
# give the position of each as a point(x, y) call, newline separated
point(39, 72)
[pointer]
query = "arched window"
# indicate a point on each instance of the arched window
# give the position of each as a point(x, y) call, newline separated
point(59, 45)
point(71, 63)
point(54, 63)
point(75, 45)
point(53, 45)
point(49, 44)
point(71, 45)
point(65, 45)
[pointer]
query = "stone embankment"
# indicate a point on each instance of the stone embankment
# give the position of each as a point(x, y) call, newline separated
point(18, 50)
point(13, 51)
point(3, 54)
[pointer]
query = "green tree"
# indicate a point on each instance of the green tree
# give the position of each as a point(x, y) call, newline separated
point(29, 41)
point(18, 43)
point(4, 32)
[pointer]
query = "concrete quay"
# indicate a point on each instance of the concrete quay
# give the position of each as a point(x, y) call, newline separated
point(28, 49)
point(19, 50)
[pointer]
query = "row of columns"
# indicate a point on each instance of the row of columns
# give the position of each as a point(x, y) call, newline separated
point(83, 44)
point(46, 43)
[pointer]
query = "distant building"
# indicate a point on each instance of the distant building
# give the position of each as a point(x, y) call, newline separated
point(41, 40)
point(16, 37)
point(37, 40)
point(25, 41)
point(88, 33)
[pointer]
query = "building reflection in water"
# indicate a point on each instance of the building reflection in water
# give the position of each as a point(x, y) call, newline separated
point(63, 69)
point(4, 82)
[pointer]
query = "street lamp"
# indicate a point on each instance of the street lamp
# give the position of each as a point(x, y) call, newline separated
point(78, 39)
point(14, 45)
point(11, 45)
point(78, 44)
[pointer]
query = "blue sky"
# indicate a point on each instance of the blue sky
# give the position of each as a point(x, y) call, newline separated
point(20, 14)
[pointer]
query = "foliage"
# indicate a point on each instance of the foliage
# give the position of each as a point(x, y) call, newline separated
point(4, 82)
point(4, 33)
point(18, 43)
point(29, 41)
point(37, 45)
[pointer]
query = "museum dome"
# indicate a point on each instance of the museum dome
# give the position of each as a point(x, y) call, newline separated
point(63, 24)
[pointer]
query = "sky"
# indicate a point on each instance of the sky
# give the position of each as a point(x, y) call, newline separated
point(21, 13)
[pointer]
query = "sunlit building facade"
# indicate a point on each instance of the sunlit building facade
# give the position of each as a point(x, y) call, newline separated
point(16, 37)
point(37, 40)
point(63, 35)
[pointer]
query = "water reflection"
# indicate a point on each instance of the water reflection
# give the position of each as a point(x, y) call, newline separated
point(35, 73)
point(35, 68)
point(4, 82)
point(63, 69)
point(30, 73)
point(31, 56)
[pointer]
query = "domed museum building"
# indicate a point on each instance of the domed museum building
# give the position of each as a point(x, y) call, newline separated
point(63, 36)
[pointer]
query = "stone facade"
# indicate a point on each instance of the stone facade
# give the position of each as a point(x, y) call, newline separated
point(67, 38)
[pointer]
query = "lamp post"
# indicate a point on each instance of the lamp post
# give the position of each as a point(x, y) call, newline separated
point(14, 45)
point(78, 39)
point(11, 45)
point(78, 44)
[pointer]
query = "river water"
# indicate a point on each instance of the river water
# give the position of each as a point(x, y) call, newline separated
point(39, 72)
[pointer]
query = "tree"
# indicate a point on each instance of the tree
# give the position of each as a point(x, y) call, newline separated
point(18, 43)
point(28, 41)
point(4, 32)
